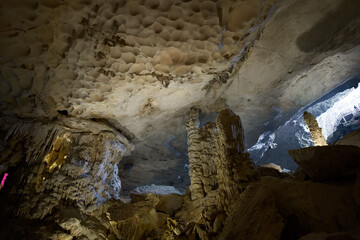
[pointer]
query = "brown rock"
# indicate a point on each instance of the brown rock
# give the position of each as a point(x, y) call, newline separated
point(356, 191)
point(169, 204)
point(273, 166)
point(255, 216)
point(273, 207)
point(235, 169)
point(230, 132)
point(315, 130)
point(328, 162)
point(265, 171)
point(352, 138)
point(336, 236)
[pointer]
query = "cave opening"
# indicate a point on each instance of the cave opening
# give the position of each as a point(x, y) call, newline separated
point(337, 112)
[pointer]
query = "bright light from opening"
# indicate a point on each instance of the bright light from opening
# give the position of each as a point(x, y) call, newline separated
point(348, 105)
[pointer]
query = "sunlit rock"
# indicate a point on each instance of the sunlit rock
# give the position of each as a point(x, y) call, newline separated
point(315, 130)
point(271, 169)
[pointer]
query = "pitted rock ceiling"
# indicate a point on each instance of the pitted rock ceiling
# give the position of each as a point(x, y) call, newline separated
point(137, 62)
point(141, 65)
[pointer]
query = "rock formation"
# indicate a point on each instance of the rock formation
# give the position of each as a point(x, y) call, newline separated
point(83, 83)
point(202, 154)
point(59, 163)
point(289, 209)
point(235, 168)
point(219, 169)
point(315, 130)
point(71, 184)
point(328, 162)
point(352, 138)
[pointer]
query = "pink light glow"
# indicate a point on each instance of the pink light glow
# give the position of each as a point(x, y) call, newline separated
point(3, 180)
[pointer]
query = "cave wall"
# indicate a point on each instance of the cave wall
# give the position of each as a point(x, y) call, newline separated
point(59, 163)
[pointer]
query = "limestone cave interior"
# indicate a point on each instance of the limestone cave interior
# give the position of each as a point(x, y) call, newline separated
point(180, 119)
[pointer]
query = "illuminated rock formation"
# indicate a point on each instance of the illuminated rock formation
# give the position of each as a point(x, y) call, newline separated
point(202, 154)
point(81, 166)
point(219, 169)
point(315, 130)
point(235, 169)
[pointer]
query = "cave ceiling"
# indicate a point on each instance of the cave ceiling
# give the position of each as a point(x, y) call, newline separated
point(141, 65)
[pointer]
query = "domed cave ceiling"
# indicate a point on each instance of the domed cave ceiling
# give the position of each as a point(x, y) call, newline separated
point(131, 71)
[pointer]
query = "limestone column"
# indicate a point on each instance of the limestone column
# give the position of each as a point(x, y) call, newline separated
point(315, 130)
point(235, 169)
point(194, 152)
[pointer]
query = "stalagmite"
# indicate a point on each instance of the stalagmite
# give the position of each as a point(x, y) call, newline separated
point(235, 168)
point(315, 130)
point(220, 168)
point(194, 153)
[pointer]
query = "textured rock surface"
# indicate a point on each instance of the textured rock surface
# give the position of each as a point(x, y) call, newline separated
point(59, 164)
point(169, 204)
point(81, 165)
point(124, 60)
point(291, 63)
point(216, 156)
point(235, 167)
point(258, 207)
point(131, 61)
point(315, 130)
point(295, 208)
point(328, 162)
point(202, 154)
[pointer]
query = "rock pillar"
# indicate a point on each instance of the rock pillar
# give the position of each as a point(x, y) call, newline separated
point(315, 130)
